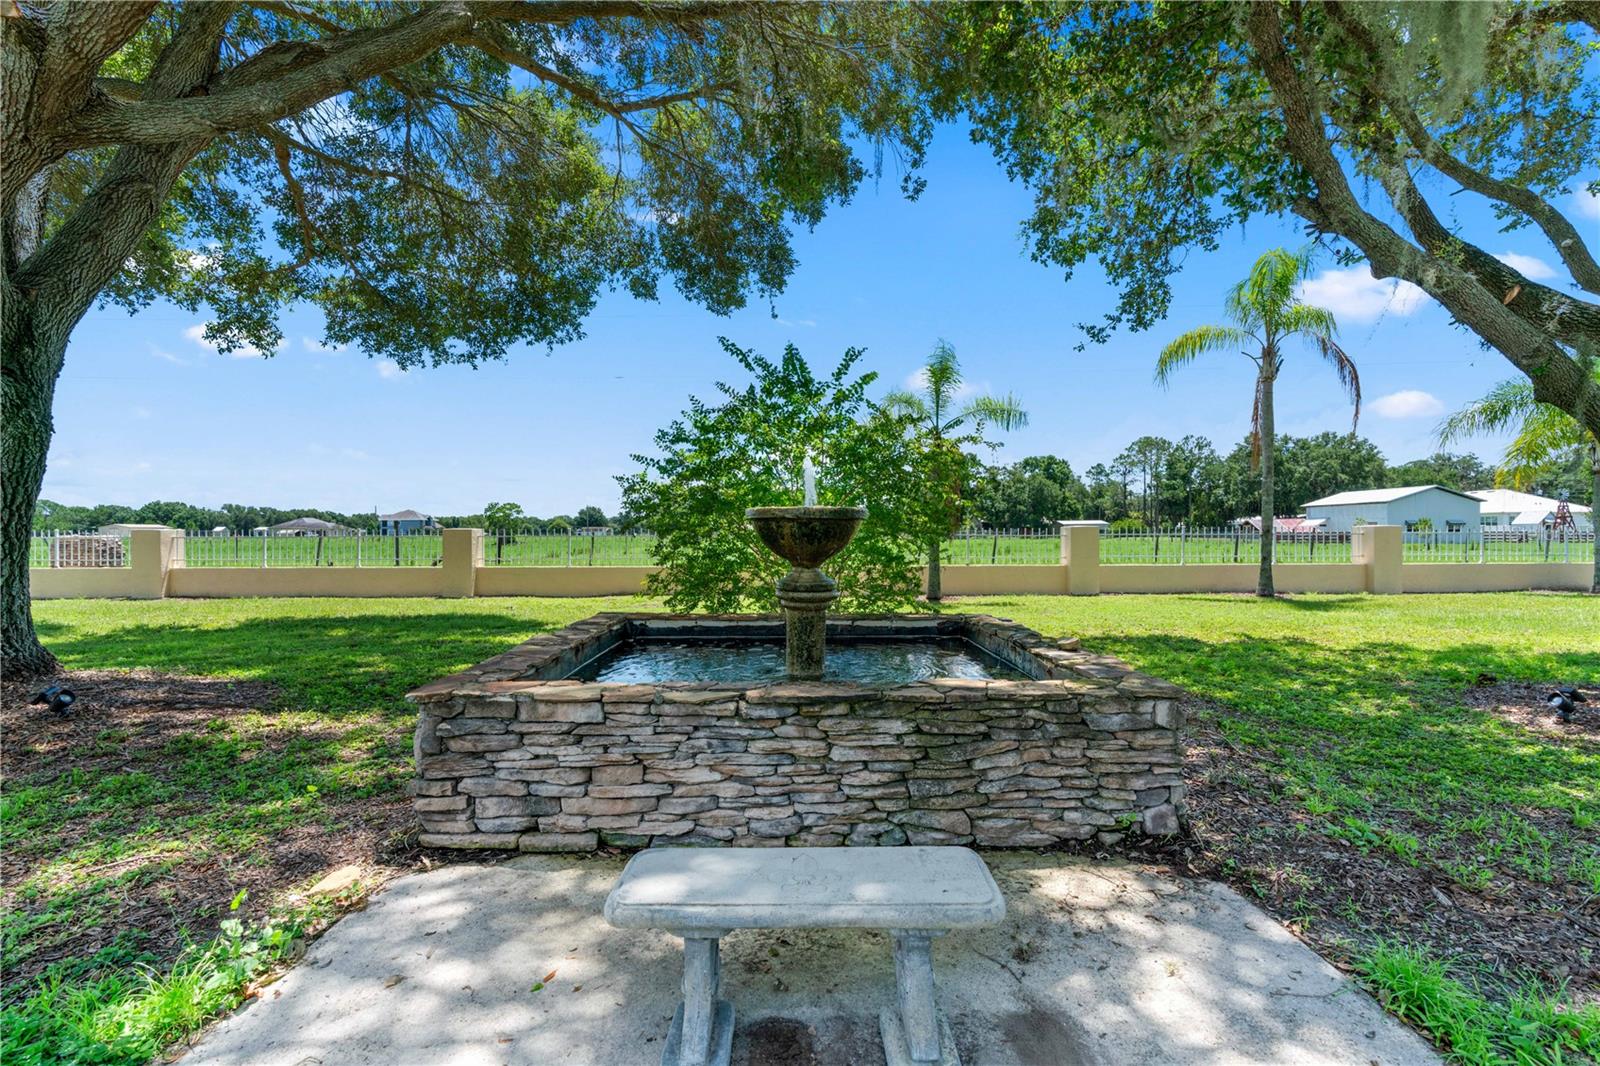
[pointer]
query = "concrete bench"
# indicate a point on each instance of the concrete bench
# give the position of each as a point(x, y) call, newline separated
point(702, 894)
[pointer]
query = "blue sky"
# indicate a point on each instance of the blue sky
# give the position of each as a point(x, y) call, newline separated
point(146, 411)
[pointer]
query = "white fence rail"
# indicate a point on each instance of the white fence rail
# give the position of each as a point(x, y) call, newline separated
point(60, 550)
point(1491, 545)
point(353, 548)
point(1182, 545)
point(575, 548)
point(1002, 547)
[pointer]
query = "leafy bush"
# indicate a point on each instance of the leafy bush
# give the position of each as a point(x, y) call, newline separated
point(715, 461)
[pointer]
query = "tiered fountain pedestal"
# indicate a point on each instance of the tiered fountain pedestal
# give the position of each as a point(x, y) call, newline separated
point(806, 537)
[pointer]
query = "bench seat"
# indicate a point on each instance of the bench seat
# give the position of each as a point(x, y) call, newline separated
point(805, 888)
point(702, 894)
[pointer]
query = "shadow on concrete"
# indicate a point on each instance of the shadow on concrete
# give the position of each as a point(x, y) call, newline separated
point(1095, 964)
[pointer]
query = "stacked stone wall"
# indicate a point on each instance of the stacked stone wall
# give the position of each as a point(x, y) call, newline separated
point(1093, 750)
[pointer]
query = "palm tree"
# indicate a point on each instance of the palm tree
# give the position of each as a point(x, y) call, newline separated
point(940, 420)
point(1265, 314)
point(1542, 432)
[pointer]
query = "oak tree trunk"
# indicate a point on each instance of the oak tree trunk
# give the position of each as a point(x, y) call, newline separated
point(1264, 586)
point(34, 353)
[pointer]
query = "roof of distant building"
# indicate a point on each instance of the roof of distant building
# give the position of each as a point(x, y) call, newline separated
point(407, 515)
point(1356, 496)
point(1509, 501)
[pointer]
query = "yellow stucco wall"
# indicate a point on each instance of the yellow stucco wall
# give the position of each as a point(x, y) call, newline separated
point(1233, 577)
point(562, 580)
point(1000, 580)
point(207, 582)
point(1494, 577)
point(88, 583)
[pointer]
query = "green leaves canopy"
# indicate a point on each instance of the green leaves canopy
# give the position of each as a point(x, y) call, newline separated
point(748, 451)
point(454, 200)
point(1147, 130)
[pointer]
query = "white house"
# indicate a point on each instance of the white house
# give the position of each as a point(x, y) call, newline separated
point(1412, 507)
point(1522, 511)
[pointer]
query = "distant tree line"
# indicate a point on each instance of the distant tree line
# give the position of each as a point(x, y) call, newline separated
point(1159, 482)
point(239, 518)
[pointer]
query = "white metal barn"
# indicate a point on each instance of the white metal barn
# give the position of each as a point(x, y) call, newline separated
point(1523, 511)
point(1446, 510)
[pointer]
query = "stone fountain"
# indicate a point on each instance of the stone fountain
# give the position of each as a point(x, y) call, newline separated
point(806, 537)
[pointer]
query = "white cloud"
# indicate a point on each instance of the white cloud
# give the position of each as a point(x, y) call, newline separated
point(1529, 266)
point(1586, 203)
point(389, 370)
point(141, 412)
point(1356, 294)
point(162, 353)
point(807, 323)
point(311, 344)
point(1408, 403)
point(197, 333)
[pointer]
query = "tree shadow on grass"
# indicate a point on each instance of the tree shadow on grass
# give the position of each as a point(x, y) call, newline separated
point(336, 663)
point(1387, 717)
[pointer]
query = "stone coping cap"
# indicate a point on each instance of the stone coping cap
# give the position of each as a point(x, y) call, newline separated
point(505, 674)
point(713, 889)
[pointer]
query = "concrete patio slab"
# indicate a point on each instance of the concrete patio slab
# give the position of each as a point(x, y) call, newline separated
point(1095, 964)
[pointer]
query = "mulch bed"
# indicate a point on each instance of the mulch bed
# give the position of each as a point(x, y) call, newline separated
point(117, 717)
point(1335, 895)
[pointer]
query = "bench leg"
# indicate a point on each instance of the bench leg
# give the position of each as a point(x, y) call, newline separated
point(913, 972)
point(702, 1031)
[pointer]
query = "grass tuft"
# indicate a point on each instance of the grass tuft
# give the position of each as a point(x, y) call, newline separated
point(1530, 1027)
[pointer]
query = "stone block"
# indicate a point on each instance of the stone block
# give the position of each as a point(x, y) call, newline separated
point(492, 786)
point(483, 742)
point(1160, 821)
point(558, 841)
point(467, 840)
point(543, 710)
point(954, 822)
point(506, 806)
point(592, 805)
point(686, 804)
point(440, 803)
point(776, 827)
point(624, 774)
point(507, 825)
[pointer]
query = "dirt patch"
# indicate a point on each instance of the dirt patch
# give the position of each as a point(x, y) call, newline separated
point(121, 722)
point(1526, 706)
point(1334, 894)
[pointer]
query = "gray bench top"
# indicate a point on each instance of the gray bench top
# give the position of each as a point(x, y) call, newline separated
point(819, 888)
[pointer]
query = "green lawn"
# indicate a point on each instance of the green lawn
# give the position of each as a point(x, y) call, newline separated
point(1351, 706)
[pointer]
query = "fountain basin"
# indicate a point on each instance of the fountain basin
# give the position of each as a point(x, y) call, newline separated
point(519, 752)
point(806, 536)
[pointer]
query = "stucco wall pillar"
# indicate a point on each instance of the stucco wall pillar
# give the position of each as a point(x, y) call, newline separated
point(1080, 554)
point(151, 553)
point(463, 555)
point(1380, 550)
